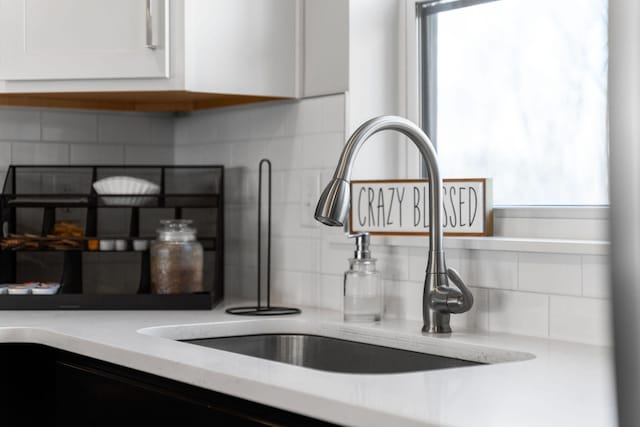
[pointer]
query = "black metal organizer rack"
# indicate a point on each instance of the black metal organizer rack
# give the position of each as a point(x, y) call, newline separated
point(35, 197)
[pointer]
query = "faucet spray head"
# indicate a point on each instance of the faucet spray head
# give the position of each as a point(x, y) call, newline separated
point(333, 205)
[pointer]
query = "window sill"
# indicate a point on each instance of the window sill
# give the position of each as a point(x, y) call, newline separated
point(508, 244)
point(552, 212)
point(579, 230)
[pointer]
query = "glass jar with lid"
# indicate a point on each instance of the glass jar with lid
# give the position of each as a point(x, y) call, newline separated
point(176, 259)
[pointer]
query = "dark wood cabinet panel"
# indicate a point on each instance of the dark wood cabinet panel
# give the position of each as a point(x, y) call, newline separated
point(26, 385)
point(45, 385)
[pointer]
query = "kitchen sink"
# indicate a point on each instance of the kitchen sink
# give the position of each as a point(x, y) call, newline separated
point(331, 354)
point(335, 346)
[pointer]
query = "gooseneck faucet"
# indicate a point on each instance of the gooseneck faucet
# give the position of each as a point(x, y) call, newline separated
point(439, 300)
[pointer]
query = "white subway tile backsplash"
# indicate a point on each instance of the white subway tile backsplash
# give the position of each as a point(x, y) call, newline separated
point(247, 154)
point(209, 154)
point(310, 193)
point(320, 150)
point(284, 153)
point(583, 320)
point(196, 128)
point(148, 155)
point(69, 127)
point(476, 319)
point(98, 154)
point(286, 221)
point(334, 114)
point(19, 124)
point(241, 186)
point(23, 153)
point(240, 281)
point(303, 139)
point(330, 292)
point(308, 116)
point(519, 313)
point(5, 155)
point(596, 282)
point(457, 259)
point(417, 267)
point(241, 222)
point(493, 269)
point(393, 262)
point(271, 121)
point(232, 124)
point(294, 288)
point(550, 273)
point(287, 186)
point(418, 263)
point(295, 254)
point(334, 258)
point(124, 129)
point(402, 300)
point(162, 131)
point(239, 252)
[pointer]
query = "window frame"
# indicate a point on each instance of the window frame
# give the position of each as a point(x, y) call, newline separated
point(414, 82)
point(427, 58)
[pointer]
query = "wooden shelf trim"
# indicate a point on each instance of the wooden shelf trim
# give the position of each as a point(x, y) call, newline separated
point(149, 101)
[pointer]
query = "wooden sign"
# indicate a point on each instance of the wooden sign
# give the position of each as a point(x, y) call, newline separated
point(401, 207)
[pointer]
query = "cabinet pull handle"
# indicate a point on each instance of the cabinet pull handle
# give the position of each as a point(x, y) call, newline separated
point(149, 25)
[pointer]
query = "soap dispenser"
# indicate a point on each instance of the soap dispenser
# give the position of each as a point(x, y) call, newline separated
point(363, 292)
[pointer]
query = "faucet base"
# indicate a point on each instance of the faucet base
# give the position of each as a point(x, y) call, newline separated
point(436, 330)
point(437, 323)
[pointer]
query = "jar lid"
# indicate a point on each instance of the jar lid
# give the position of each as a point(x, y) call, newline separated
point(176, 230)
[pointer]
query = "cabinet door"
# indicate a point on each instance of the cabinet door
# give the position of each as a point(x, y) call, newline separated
point(85, 395)
point(244, 47)
point(83, 39)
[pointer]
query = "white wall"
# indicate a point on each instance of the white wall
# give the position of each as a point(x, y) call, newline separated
point(518, 289)
point(560, 295)
point(375, 65)
point(521, 290)
point(303, 141)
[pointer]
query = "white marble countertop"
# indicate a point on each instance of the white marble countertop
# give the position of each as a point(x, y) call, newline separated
point(565, 384)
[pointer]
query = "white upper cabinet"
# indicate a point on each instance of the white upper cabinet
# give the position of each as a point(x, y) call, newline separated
point(83, 39)
point(242, 46)
point(170, 55)
point(239, 47)
point(326, 47)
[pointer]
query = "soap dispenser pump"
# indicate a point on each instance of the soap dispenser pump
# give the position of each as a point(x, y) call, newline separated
point(363, 292)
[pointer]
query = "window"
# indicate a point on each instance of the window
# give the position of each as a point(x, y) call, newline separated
point(516, 90)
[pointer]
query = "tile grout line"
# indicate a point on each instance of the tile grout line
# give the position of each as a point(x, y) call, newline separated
point(548, 315)
point(489, 298)
point(98, 124)
point(518, 271)
point(582, 275)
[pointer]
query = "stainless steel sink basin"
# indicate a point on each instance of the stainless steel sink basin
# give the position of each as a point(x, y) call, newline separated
point(331, 354)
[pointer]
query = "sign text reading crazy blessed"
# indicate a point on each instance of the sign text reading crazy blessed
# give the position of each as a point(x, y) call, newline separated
point(402, 207)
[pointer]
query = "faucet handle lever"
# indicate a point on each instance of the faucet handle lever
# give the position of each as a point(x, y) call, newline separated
point(461, 303)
